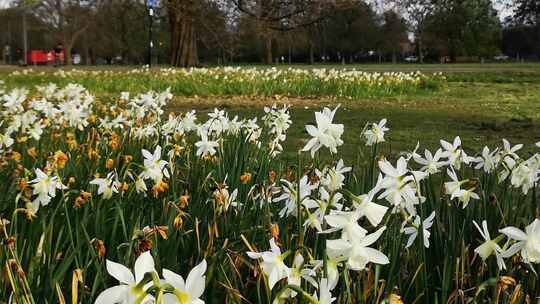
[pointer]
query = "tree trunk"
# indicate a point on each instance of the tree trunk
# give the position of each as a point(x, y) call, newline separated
point(183, 36)
point(311, 53)
point(290, 54)
point(67, 53)
point(420, 50)
point(268, 49)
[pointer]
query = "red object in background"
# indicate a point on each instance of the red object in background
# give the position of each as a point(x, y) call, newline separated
point(42, 57)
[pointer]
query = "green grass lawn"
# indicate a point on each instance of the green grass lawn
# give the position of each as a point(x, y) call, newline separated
point(482, 103)
point(482, 113)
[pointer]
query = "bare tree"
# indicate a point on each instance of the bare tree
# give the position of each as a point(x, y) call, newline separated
point(417, 12)
point(270, 16)
point(67, 20)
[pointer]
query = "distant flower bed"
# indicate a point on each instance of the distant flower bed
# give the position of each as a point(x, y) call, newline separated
point(346, 83)
point(205, 209)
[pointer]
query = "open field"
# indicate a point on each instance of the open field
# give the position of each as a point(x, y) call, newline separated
point(308, 203)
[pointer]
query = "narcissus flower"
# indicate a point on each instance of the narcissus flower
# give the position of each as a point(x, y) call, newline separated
point(412, 231)
point(453, 189)
point(527, 243)
point(154, 166)
point(356, 251)
point(325, 134)
point(206, 147)
point(431, 163)
point(272, 263)
point(325, 296)
point(107, 186)
point(490, 246)
point(45, 187)
point(131, 288)
point(488, 160)
point(455, 153)
point(375, 134)
point(188, 291)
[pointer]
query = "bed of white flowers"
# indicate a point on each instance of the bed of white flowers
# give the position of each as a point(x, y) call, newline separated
point(203, 209)
point(229, 81)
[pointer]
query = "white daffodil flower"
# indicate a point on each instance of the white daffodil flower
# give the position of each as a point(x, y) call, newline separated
point(488, 161)
point(188, 291)
point(490, 246)
point(206, 147)
point(346, 222)
point(272, 263)
point(154, 166)
point(453, 188)
point(325, 134)
point(431, 163)
point(298, 273)
point(107, 186)
point(315, 218)
point(366, 207)
point(412, 231)
point(130, 289)
point(525, 175)
point(399, 185)
point(508, 150)
point(375, 134)
point(356, 251)
point(527, 243)
point(325, 296)
point(290, 196)
point(44, 186)
point(333, 178)
point(454, 153)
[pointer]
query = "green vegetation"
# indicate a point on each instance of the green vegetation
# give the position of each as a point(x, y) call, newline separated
point(89, 182)
point(481, 102)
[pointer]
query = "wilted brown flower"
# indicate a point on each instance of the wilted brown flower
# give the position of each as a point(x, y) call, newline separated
point(394, 299)
point(93, 153)
point(162, 186)
point(245, 178)
point(60, 159)
point(86, 195)
point(272, 176)
point(274, 230)
point(79, 201)
point(99, 245)
point(178, 222)
point(184, 200)
point(16, 156)
point(127, 158)
point(32, 152)
point(109, 163)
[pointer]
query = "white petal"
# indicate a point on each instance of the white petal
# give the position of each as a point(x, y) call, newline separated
point(376, 256)
point(514, 233)
point(143, 264)
point(195, 281)
point(120, 272)
point(116, 294)
point(174, 279)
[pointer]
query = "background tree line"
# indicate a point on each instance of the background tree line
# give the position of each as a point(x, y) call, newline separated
point(199, 32)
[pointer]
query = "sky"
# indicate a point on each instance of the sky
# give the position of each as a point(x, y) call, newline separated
point(4, 3)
